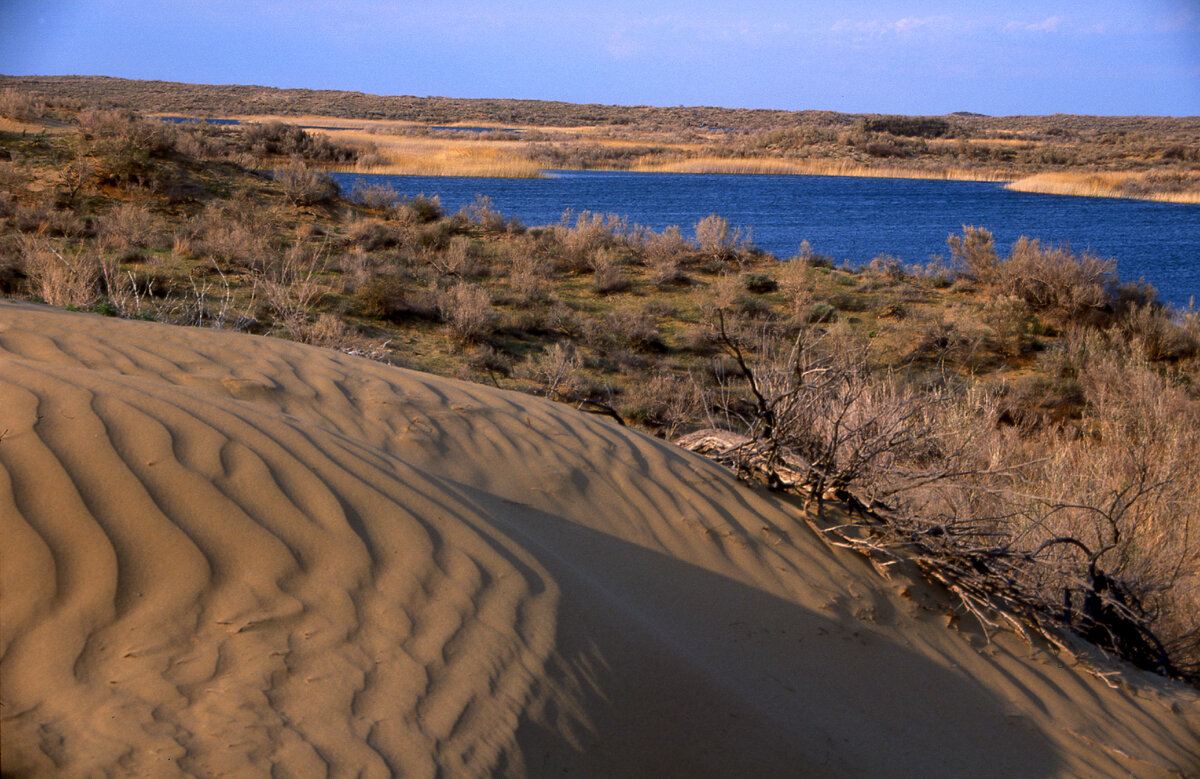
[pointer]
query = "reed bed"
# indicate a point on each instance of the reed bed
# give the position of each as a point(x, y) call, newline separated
point(421, 156)
point(1146, 185)
point(818, 167)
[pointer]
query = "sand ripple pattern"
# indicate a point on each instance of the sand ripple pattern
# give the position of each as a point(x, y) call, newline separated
point(232, 556)
point(187, 574)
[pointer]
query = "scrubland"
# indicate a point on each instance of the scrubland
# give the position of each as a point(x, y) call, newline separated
point(1024, 429)
point(1154, 158)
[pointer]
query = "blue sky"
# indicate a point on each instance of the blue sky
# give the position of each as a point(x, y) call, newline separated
point(1018, 57)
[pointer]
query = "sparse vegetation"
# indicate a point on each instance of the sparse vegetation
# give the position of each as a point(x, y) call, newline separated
point(1022, 428)
point(1137, 156)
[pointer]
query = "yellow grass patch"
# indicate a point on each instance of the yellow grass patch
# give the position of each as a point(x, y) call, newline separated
point(817, 167)
point(426, 156)
point(1103, 184)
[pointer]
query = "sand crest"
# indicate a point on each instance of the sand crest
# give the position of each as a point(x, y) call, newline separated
point(226, 555)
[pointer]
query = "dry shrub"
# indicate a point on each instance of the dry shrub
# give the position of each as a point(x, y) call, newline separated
point(486, 359)
point(727, 293)
point(556, 370)
point(459, 260)
point(126, 147)
point(328, 330)
point(811, 258)
point(797, 281)
point(666, 248)
point(481, 213)
point(379, 196)
point(21, 106)
point(1096, 523)
point(182, 246)
point(467, 309)
point(815, 410)
point(563, 319)
point(1010, 317)
point(1055, 280)
point(434, 236)
point(60, 277)
point(888, 267)
point(974, 253)
point(666, 271)
point(607, 276)
point(955, 336)
point(1050, 280)
point(1126, 493)
point(278, 139)
point(632, 328)
point(718, 241)
point(1096, 528)
point(356, 269)
point(13, 177)
point(590, 233)
point(1161, 334)
point(527, 275)
point(12, 271)
point(130, 226)
point(232, 233)
point(203, 302)
point(43, 218)
point(291, 289)
point(304, 186)
point(388, 297)
point(666, 402)
point(372, 234)
point(420, 209)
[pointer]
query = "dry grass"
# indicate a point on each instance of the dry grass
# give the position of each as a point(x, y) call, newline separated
point(1102, 184)
point(809, 167)
point(423, 156)
point(390, 149)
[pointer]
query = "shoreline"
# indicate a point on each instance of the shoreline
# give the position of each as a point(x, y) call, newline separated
point(1082, 185)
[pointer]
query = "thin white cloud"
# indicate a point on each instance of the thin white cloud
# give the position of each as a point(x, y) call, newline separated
point(1049, 24)
point(909, 25)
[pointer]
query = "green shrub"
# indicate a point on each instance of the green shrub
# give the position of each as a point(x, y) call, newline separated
point(821, 312)
point(759, 283)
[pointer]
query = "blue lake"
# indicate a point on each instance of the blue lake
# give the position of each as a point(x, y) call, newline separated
point(850, 219)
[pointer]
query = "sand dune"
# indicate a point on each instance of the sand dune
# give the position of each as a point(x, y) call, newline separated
point(226, 555)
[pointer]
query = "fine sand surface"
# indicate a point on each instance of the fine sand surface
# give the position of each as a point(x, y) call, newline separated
point(227, 555)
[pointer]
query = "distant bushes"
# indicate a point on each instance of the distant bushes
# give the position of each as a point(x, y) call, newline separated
point(21, 105)
point(276, 139)
point(126, 147)
point(908, 126)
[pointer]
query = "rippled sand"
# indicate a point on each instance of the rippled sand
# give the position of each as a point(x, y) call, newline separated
point(226, 555)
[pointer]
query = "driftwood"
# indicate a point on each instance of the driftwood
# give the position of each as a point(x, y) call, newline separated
point(748, 457)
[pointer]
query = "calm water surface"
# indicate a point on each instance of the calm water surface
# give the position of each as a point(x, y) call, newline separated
point(851, 219)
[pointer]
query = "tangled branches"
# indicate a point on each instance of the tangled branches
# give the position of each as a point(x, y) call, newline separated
point(1092, 532)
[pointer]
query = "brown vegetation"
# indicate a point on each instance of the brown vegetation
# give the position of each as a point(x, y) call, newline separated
point(1022, 428)
point(1139, 157)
